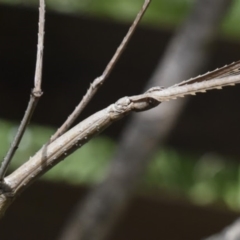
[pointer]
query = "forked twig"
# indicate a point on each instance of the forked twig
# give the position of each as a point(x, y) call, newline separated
point(34, 97)
point(100, 80)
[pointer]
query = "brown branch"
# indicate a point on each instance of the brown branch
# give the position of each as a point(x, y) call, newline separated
point(97, 83)
point(34, 97)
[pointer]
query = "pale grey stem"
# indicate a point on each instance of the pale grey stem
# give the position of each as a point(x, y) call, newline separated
point(52, 153)
point(100, 80)
point(40, 46)
point(35, 95)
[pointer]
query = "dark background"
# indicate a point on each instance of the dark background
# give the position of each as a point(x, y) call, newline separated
point(76, 51)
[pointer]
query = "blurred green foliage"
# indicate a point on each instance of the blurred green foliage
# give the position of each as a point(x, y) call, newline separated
point(203, 179)
point(161, 13)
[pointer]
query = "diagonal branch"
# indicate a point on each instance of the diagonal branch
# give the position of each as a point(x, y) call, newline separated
point(52, 153)
point(34, 97)
point(100, 80)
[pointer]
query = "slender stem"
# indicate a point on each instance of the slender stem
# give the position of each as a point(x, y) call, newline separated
point(39, 62)
point(30, 109)
point(35, 95)
point(100, 80)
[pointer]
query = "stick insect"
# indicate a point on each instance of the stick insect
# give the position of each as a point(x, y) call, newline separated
point(56, 151)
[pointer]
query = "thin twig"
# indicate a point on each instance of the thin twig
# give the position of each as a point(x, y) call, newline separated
point(34, 97)
point(100, 80)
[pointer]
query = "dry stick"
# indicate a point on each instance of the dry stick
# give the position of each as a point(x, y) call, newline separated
point(100, 80)
point(47, 157)
point(34, 97)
